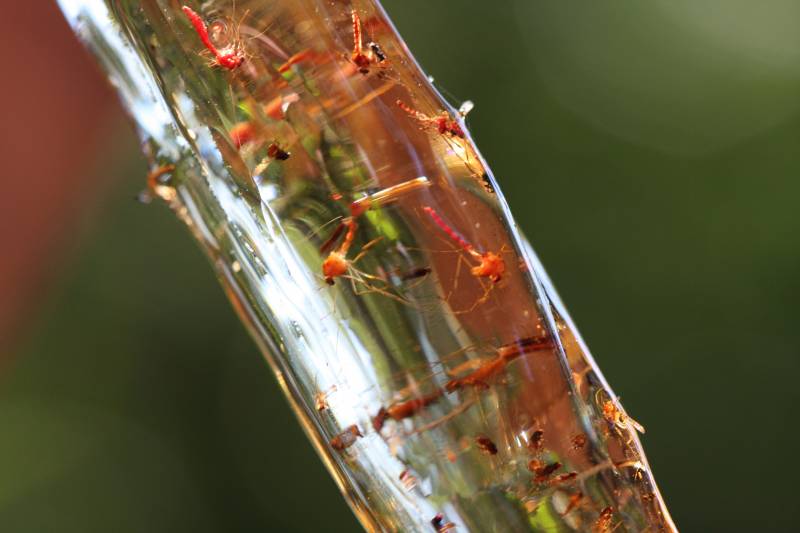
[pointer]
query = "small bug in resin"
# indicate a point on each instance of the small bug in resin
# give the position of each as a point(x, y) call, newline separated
point(364, 58)
point(440, 525)
point(274, 151)
point(536, 441)
point(603, 522)
point(402, 410)
point(616, 417)
point(441, 123)
point(542, 472)
point(346, 438)
point(336, 264)
point(231, 57)
point(485, 445)
point(490, 265)
point(578, 441)
point(488, 370)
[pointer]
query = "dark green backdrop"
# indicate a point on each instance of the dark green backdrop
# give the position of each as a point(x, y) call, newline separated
point(650, 152)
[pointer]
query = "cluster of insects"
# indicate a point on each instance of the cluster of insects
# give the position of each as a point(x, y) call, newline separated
point(351, 239)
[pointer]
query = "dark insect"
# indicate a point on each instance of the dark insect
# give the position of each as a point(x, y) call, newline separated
point(346, 438)
point(536, 441)
point(274, 151)
point(542, 471)
point(485, 445)
point(416, 273)
point(440, 525)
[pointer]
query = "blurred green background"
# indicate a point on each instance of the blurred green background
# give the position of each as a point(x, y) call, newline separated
point(650, 152)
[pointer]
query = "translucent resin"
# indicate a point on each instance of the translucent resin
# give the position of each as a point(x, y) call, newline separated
point(363, 240)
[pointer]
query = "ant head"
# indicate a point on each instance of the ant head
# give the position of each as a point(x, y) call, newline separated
point(491, 266)
point(334, 266)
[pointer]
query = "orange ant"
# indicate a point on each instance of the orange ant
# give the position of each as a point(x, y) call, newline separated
point(505, 354)
point(337, 265)
point(346, 438)
point(402, 410)
point(615, 416)
point(443, 123)
point(603, 522)
point(230, 57)
point(490, 265)
point(363, 58)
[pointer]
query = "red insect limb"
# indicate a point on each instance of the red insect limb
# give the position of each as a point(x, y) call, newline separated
point(443, 123)
point(230, 58)
point(201, 29)
point(332, 239)
point(454, 236)
point(490, 265)
point(336, 263)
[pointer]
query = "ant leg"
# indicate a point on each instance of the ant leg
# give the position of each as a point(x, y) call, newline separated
point(372, 289)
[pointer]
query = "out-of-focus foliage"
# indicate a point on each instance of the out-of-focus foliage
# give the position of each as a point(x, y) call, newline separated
point(649, 151)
